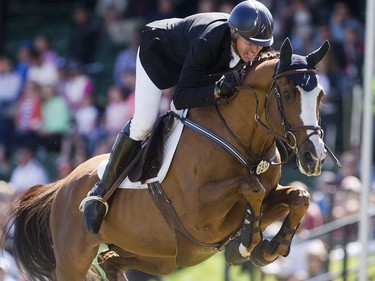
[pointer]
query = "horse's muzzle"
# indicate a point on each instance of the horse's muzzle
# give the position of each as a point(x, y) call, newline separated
point(310, 158)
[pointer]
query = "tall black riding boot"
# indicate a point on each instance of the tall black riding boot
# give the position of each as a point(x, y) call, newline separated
point(123, 152)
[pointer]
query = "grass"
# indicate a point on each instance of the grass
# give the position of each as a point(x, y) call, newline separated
point(214, 269)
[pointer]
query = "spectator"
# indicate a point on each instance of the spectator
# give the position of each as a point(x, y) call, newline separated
point(125, 61)
point(5, 167)
point(64, 166)
point(118, 6)
point(329, 111)
point(78, 86)
point(28, 171)
point(350, 161)
point(28, 115)
point(340, 20)
point(119, 29)
point(8, 268)
point(62, 73)
point(41, 72)
point(86, 118)
point(323, 195)
point(317, 256)
point(84, 38)
point(351, 185)
point(136, 9)
point(354, 53)
point(53, 129)
point(206, 6)
point(23, 59)
point(10, 81)
point(42, 44)
point(226, 6)
point(10, 87)
point(117, 112)
point(73, 149)
point(164, 9)
point(7, 195)
point(302, 27)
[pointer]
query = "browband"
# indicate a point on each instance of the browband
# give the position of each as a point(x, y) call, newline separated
point(295, 71)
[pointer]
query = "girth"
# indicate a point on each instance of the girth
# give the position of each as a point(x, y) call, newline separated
point(192, 248)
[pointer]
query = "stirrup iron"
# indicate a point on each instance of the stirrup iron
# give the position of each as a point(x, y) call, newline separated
point(82, 205)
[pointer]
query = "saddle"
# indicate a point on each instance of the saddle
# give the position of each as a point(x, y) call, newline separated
point(151, 153)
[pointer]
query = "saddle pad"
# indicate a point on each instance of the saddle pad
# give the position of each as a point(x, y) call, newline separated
point(170, 146)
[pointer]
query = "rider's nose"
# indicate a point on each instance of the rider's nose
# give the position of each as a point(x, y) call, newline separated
point(253, 50)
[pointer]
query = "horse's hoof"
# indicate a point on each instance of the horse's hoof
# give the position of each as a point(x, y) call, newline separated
point(232, 254)
point(256, 256)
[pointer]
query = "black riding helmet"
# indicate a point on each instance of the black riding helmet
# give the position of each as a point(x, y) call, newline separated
point(253, 21)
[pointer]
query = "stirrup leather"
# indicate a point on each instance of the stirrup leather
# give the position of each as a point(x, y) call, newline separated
point(82, 205)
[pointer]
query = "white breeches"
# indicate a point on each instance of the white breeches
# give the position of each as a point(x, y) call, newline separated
point(147, 102)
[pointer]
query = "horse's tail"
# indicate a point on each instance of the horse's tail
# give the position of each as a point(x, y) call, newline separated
point(30, 233)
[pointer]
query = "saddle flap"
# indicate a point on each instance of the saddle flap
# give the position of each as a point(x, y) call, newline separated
point(150, 161)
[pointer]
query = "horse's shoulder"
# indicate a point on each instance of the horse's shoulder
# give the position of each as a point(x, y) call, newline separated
point(90, 166)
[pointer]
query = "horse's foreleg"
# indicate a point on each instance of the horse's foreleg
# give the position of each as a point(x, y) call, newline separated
point(249, 188)
point(251, 234)
point(297, 200)
point(228, 192)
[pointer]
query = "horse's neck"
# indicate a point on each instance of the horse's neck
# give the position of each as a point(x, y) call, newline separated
point(251, 102)
point(239, 114)
point(255, 137)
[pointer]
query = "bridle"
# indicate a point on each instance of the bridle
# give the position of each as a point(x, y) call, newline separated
point(289, 137)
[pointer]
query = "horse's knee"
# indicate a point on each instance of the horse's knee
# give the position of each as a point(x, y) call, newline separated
point(251, 187)
point(299, 198)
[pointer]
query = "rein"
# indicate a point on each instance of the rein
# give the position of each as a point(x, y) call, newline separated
point(218, 140)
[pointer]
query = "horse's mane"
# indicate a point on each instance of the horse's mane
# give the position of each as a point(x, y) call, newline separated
point(265, 55)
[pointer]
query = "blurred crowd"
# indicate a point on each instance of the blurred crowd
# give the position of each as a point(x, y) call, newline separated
point(51, 119)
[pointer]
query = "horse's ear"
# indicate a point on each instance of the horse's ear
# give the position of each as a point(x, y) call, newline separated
point(286, 52)
point(317, 55)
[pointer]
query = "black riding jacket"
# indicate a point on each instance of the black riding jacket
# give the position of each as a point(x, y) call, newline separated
point(190, 53)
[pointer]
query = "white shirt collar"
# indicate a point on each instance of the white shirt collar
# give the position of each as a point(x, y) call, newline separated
point(234, 58)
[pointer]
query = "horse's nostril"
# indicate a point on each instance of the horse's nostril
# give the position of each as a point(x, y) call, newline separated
point(308, 157)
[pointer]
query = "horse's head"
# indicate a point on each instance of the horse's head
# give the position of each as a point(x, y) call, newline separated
point(297, 101)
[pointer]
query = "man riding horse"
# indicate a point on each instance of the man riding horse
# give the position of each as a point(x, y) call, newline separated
point(191, 54)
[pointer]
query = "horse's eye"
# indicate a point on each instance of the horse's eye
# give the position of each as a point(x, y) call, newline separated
point(287, 95)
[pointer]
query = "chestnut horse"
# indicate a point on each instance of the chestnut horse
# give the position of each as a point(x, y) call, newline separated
point(219, 202)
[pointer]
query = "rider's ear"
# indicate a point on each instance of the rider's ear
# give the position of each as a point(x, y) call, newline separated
point(317, 55)
point(286, 52)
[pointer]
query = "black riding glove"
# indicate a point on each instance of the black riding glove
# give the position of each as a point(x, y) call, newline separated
point(226, 86)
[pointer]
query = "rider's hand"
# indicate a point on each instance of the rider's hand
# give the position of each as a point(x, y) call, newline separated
point(225, 87)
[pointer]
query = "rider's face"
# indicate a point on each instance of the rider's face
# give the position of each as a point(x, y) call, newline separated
point(246, 50)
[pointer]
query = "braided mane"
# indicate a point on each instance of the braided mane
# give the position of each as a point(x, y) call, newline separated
point(266, 55)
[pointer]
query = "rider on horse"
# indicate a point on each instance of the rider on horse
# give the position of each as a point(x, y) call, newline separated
point(191, 54)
